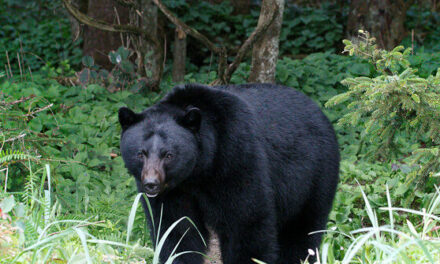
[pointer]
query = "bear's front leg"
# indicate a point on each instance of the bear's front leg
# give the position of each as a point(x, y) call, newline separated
point(189, 237)
point(191, 242)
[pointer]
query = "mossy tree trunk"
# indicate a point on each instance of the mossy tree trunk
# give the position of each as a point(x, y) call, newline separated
point(265, 50)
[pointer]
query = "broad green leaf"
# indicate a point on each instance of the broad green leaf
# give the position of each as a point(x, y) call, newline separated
point(7, 204)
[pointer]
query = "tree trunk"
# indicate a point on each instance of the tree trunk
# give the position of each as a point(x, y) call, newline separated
point(179, 55)
point(149, 53)
point(98, 43)
point(265, 50)
point(384, 19)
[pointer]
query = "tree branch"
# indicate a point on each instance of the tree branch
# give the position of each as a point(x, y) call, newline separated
point(187, 29)
point(15, 138)
point(255, 36)
point(89, 21)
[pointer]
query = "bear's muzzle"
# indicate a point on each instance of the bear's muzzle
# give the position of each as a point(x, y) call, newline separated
point(153, 176)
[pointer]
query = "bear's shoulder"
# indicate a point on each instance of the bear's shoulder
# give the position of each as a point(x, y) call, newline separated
point(218, 100)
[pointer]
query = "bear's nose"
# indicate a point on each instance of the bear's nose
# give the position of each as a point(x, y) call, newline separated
point(151, 186)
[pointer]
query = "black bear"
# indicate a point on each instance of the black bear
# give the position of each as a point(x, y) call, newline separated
point(256, 163)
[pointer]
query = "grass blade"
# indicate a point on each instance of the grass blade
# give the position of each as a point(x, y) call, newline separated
point(132, 216)
point(82, 237)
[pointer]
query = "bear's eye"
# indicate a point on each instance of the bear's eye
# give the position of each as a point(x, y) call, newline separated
point(168, 156)
point(140, 155)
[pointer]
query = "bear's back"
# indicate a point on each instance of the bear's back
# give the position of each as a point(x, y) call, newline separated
point(299, 140)
point(286, 117)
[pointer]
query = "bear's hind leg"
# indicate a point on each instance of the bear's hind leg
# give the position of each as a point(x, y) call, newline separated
point(256, 240)
point(295, 239)
point(294, 245)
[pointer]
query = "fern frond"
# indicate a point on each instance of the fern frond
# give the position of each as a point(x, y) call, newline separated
point(30, 232)
point(8, 155)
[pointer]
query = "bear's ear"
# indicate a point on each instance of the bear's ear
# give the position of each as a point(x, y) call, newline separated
point(127, 117)
point(192, 118)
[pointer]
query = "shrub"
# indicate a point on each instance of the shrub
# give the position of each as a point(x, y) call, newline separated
point(394, 106)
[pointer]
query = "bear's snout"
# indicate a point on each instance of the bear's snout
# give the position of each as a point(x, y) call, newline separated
point(151, 186)
point(152, 177)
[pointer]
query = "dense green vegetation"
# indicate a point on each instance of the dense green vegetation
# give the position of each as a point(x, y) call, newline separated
point(32, 32)
point(66, 196)
point(303, 30)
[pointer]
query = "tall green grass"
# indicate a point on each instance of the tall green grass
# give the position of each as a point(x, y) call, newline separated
point(34, 230)
point(42, 235)
point(390, 243)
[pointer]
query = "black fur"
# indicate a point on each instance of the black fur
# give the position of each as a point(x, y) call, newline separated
point(257, 163)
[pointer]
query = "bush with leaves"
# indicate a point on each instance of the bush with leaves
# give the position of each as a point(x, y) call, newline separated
point(394, 105)
point(123, 76)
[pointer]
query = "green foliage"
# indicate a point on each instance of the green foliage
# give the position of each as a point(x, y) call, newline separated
point(319, 74)
point(76, 129)
point(9, 155)
point(304, 30)
point(40, 233)
point(375, 178)
point(39, 31)
point(424, 23)
point(412, 241)
point(425, 63)
point(394, 105)
point(20, 139)
point(123, 76)
point(215, 20)
point(309, 29)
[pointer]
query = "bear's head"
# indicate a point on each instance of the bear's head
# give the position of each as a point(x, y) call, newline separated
point(160, 146)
